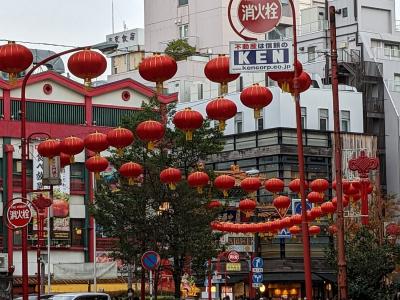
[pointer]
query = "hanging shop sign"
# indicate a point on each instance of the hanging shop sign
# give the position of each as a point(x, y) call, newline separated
point(261, 56)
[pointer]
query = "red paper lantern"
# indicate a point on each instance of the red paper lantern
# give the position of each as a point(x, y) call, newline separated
point(49, 148)
point(247, 205)
point(274, 185)
point(296, 219)
point(214, 204)
point(332, 229)
point(158, 68)
point(119, 138)
point(314, 230)
point(65, 160)
point(393, 229)
point(316, 212)
point(286, 76)
point(188, 120)
point(256, 97)
point(72, 146)
point(14, 58)
point(356, 184)
point(171, 176)
point(224, 183)
point(221, 109)
point(310, 217)
point(131, 171)
point(345, 200)
point(282, 204)
point(198, 180)
point(150, 131)
point(217, 70)
point(315, 197)
point(286, 222)
point(370, 188)
point(250, 184)
point(345, 185)
point(319, 185)
point(294, 186)
point(304, 81)
point(96, 164)
point(87, 64)
point(96, 142)
point(328, 208)
point(294, 230)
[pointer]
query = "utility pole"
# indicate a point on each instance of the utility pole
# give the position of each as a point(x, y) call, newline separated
point(342, 266)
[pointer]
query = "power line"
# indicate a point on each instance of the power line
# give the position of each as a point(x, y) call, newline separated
point(40, 43)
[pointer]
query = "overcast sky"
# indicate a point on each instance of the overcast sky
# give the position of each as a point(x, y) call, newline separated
point(67, 22)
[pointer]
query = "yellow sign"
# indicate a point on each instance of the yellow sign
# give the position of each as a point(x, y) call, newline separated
point(233, 267)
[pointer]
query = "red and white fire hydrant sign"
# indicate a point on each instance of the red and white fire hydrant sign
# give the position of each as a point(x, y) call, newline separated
point(259, 16)
point(19, 215)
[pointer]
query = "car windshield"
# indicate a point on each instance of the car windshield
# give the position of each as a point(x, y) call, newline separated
point(61, 297)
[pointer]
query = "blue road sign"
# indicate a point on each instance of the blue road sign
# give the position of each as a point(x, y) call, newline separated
point(297, 207)
point(258, 277)
point(257, 262)
point(284, 234)
point(150, 260)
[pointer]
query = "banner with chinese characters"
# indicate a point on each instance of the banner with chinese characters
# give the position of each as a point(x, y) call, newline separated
point(61, 194)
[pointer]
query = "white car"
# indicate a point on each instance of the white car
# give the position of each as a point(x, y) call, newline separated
point(81, 296)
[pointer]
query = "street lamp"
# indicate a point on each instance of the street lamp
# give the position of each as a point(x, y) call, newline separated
point(104, 47)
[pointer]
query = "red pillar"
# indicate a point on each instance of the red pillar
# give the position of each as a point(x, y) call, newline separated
point(88, 110)
point(9, 149)
point(92, 230)
point(6, 105)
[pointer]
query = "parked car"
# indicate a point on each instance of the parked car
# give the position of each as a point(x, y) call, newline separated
point(81, 296)
point(34, 297)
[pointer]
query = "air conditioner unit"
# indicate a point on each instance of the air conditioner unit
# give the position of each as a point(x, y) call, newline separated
point(3, 262)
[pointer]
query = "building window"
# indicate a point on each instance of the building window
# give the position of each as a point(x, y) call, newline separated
point(183, 2)
point(304, 117)
point(396, 85)
point(183, 31)
point(312, 53)
point(345, 13)
point(200, 89)
point(239, 84)
point(239, 122)
point(345, 120)
point(323, 119)
point(260, 121)
point(392, 50)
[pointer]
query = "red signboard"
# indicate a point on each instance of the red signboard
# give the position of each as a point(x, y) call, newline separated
point(259, 16)
point(18, 215)
point(233, 257)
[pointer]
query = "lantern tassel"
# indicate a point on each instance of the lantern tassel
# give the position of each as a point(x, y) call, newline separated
point(257, 113)
point(200, 190)
point(150, 146)
point(189, 135)
point(226, 193)
point(221, 125)
point(97, 175)
point(224, 88)
point(172, 186)
point(120, 151)
point(131, 181)
point(88, 83)
point(12, 78)
point(72, 159)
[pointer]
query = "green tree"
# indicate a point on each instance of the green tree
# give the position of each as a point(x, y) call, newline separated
point(179, 49)
point(369, 265)
point(132, 213)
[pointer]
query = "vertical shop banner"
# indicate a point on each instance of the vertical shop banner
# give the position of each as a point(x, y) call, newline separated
point(61, 193)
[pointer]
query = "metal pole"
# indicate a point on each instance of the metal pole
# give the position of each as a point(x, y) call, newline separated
point(342, 271)
point(209, 279)
point(151, 284)
point(24, 159)
point(9, 149)
point(94, 257)
point(39, 233)
point(304, 223)
point(48, 243)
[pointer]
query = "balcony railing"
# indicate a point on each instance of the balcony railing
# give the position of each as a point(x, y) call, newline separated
point(375, 105)
point(279, 136)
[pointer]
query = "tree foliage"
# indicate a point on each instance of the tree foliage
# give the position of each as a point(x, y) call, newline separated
point(132, 213)
point(180, 49)
point(369, 265)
